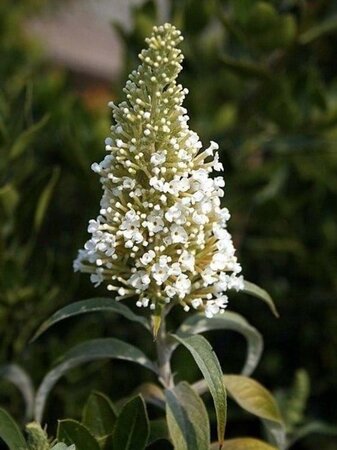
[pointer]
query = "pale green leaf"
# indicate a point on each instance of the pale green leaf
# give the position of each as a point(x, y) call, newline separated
point(246, 68)
point(253, 397)
point(72, 432)
point(187, 419)
point(243, 444)
point(198, 323)
point(10, 432)
point(19, 377)
point(9, 198)
point(26, 138)
point(256, 291)
point(44, 199)
point(62, 446)
point(314, 427)
point(89, 306)
point(152, 394)
point(209, 365)
point(257, 400)
point(92, 350)
point(327, 26)
point(132, 428)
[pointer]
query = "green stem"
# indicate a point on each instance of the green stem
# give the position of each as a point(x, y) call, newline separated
point(164, 355)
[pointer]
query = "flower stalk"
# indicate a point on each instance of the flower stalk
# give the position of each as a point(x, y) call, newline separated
point(163, 356)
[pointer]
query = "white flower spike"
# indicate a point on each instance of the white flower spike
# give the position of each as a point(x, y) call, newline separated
point(161, 233)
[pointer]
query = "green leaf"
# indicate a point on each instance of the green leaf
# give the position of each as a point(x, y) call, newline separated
point(209, 365)
point(44, 199)
point(26, 138)
point(257, 400)
point(152, 394)
point(328, 26)
point(10, 432)
point(72, 432)
point(19, 377)
point(9, 198)
point(198, 323)
point(89, 306)
point(61, 446)
point(99, 415)
point(132, 428)
point(187, 419)
point(243, 444)
point(92, 350)
point(246, 68)
point(315, 427)
point(256, 291)
point(252, 397)
point(295, 401)
point(158, 431)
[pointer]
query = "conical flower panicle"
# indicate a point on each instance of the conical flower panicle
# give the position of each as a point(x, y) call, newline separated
point(161, 233)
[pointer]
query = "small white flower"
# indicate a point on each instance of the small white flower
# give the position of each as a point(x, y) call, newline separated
point(140, 280)
point(175, 269)
point(196, 303)
point(218, 166)
point(209, 276)
point(170, 291)
point(218, 262)
point(160, 273)
point(128, 183)
point(157, 159)
point(147, 257)
point(178, 234)
point(182, 285)
point(187, 261)
point(154, 223)
point(96, 278)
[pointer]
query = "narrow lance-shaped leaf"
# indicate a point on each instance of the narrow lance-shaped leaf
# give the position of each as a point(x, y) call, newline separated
point(327, 26)
point(244, 444)
point(256, 291)
point(10, 432)
point(198, 323)
point(209, 365)
point(253, 397)
point(89, 306)
point(257, 400)
point(45, 198)
point(26, 138)
point(99, 415)
point(187, 419)
point(132, 428)
point(16, 375)
point(72, 432)
point(315, 427)
point(88, 351)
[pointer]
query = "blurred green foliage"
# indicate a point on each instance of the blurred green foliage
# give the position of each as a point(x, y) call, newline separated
point(48, 139)
point(263, 83)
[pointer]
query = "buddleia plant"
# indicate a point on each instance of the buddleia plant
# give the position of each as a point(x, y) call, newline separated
point(160, 240)
point(161, 236)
